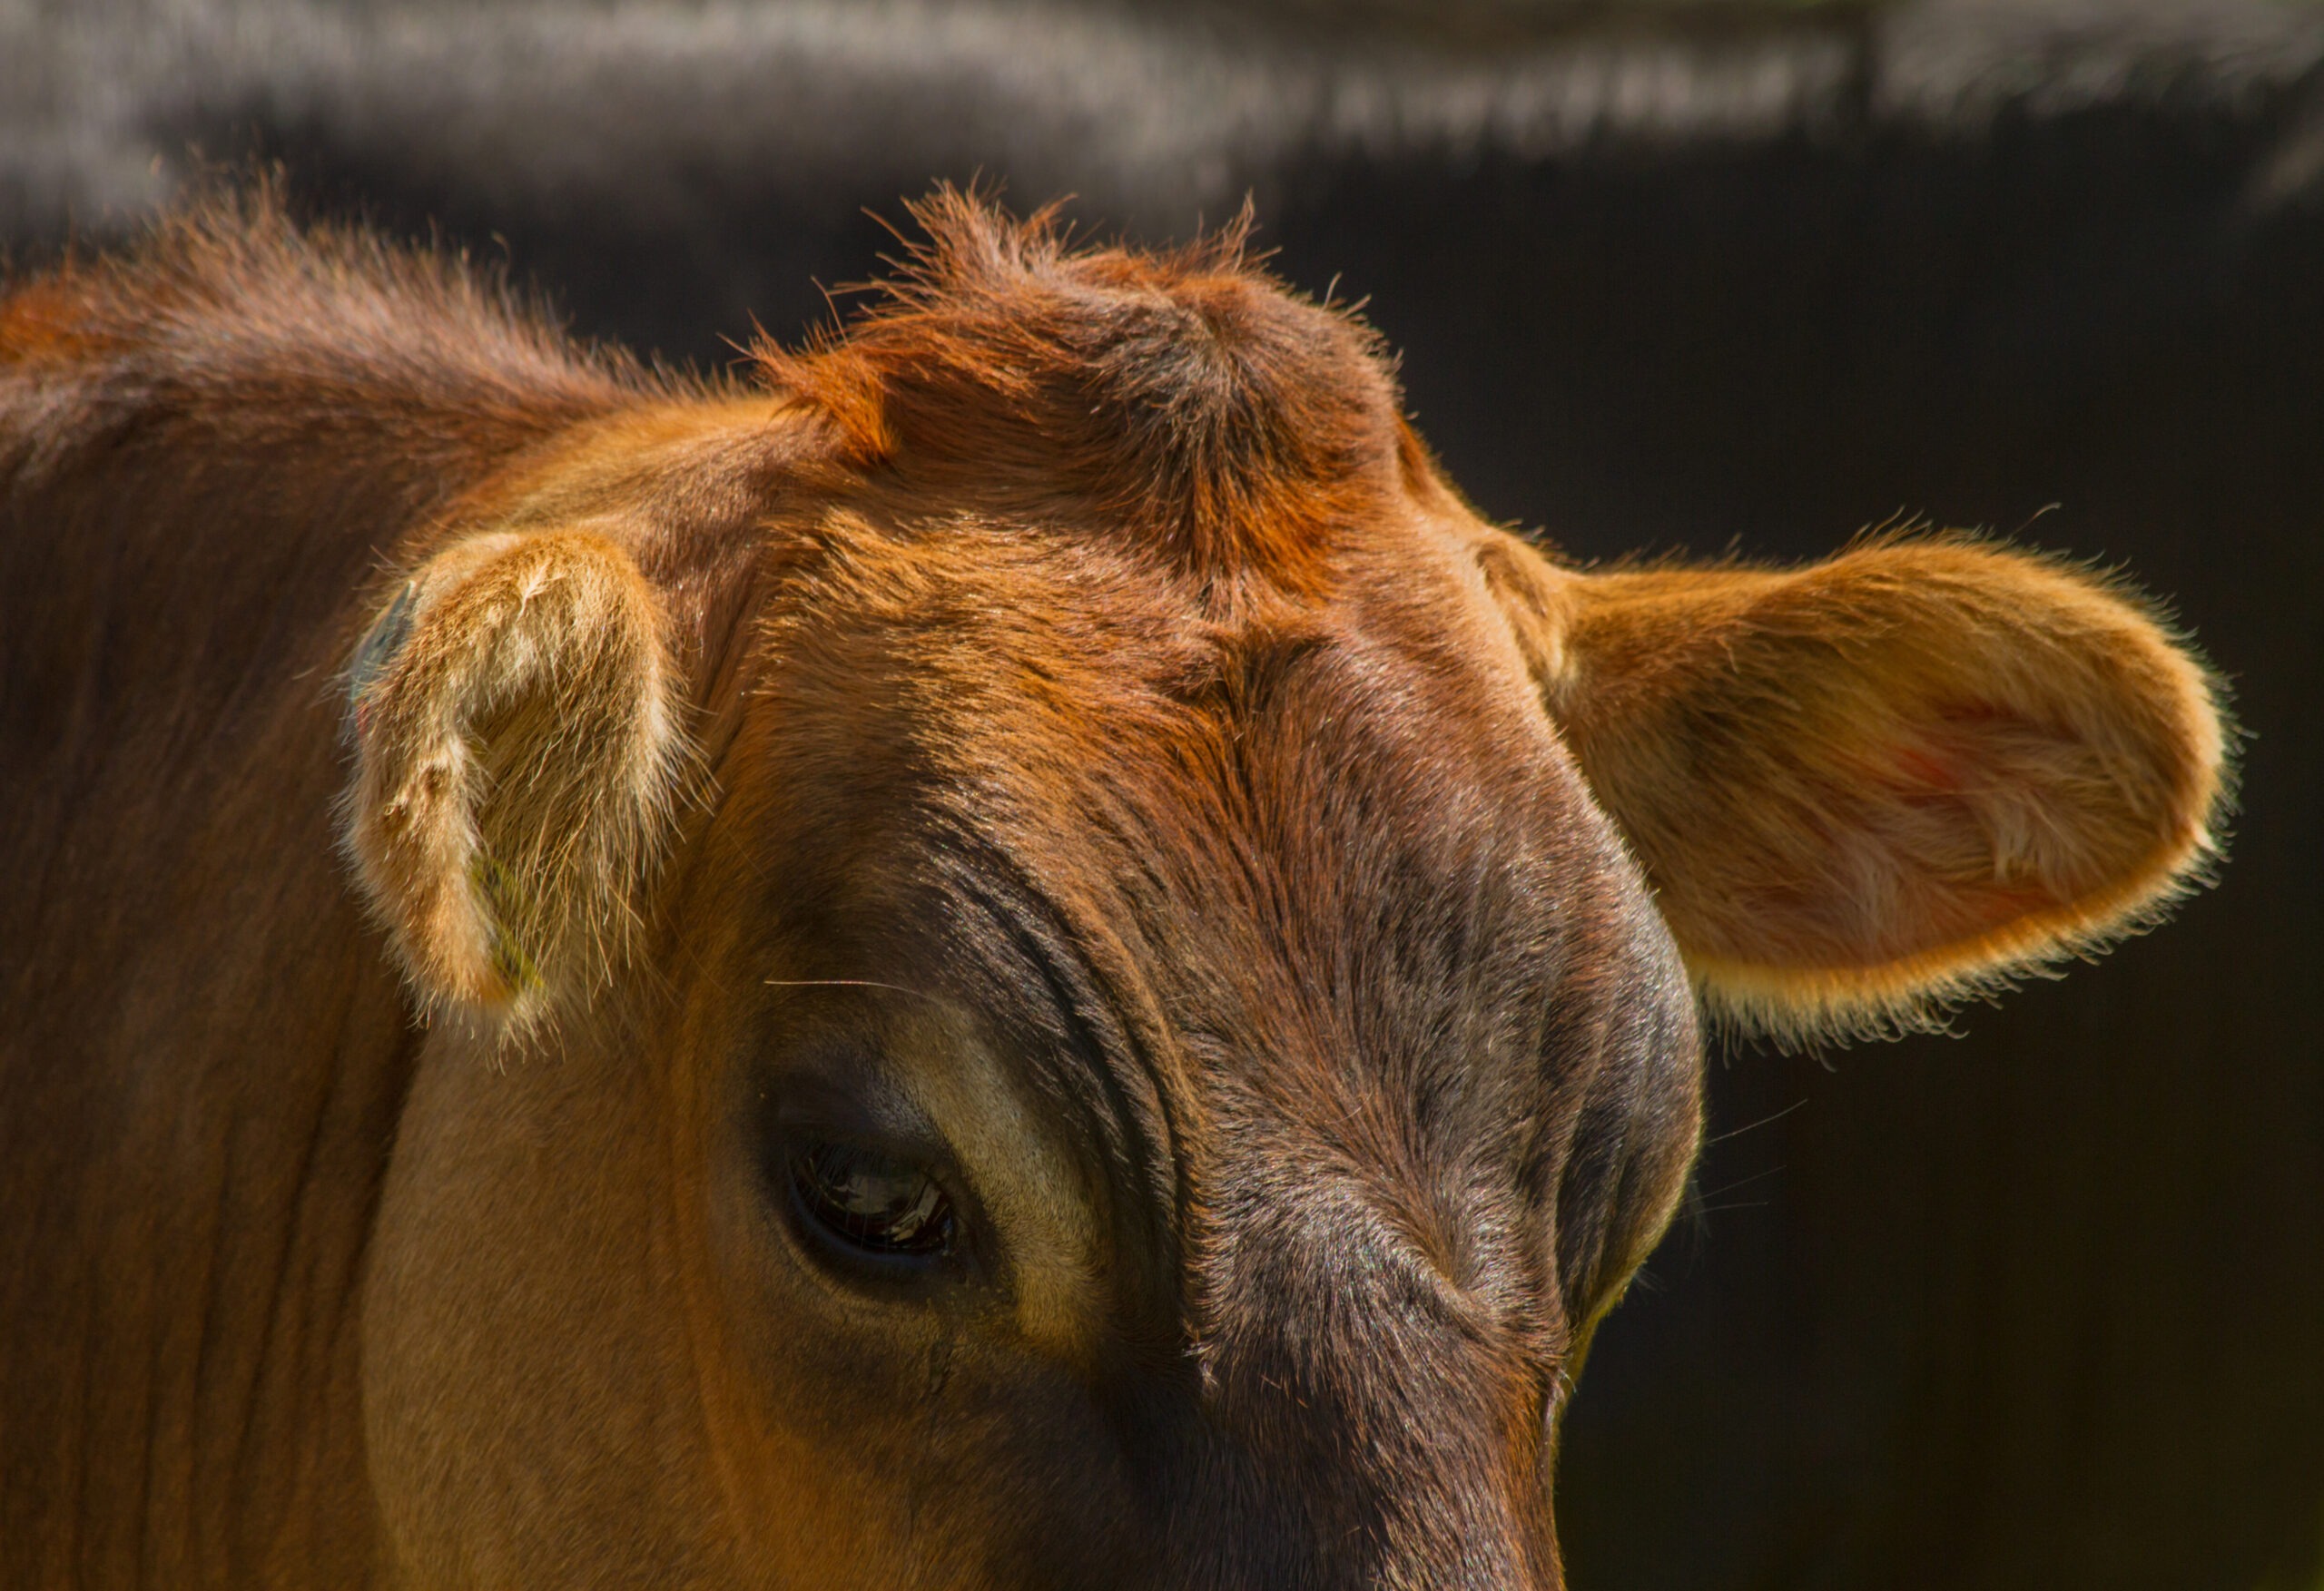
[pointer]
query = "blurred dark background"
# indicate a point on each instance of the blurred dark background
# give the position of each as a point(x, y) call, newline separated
point(2038, 1306)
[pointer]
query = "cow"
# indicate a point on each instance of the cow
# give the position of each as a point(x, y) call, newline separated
point(1009, 948)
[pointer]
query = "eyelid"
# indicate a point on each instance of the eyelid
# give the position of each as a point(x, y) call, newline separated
point(836, 1072)
point(867, 1109)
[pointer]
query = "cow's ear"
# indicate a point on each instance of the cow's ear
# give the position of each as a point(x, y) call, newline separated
point(1866, 788)
point(513, 718)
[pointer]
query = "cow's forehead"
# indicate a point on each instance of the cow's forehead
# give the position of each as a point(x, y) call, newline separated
point(1136, 684)
point(1318, 871)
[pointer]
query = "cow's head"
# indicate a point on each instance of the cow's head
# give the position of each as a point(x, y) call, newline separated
point(1054, 968)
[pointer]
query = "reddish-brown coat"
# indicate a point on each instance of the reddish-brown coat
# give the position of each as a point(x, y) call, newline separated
point(1067, 714)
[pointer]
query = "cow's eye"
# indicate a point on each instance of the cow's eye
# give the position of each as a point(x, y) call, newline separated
point(871, 1201)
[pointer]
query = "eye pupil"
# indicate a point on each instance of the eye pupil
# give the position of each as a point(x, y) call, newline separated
point(873, 1201)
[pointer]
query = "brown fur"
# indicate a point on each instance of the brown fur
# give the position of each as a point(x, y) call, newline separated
point(1065, 724)
point(1182, 399)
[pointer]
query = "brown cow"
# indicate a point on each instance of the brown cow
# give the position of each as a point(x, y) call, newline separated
point(1018, 954)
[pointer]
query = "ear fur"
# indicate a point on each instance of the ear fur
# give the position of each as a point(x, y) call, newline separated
point(515, 728)
point(1871, 787)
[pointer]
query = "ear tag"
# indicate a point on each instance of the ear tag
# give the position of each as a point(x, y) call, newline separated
point(502, 900)
point(380, 645)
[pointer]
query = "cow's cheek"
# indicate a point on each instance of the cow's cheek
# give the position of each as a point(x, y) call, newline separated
point(881, 1441)
point(530, 1411)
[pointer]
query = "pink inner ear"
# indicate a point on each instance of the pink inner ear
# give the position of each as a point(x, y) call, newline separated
point(1959, 748)
point(1923, 796)
point(1961, 738)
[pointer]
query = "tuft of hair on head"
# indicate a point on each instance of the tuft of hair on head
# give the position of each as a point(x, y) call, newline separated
point(1871, 787)
point(1186, 396)
point(513, 716)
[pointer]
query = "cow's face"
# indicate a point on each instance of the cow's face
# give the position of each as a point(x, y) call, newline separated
point(1102, 991)
point(1221, 1066)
